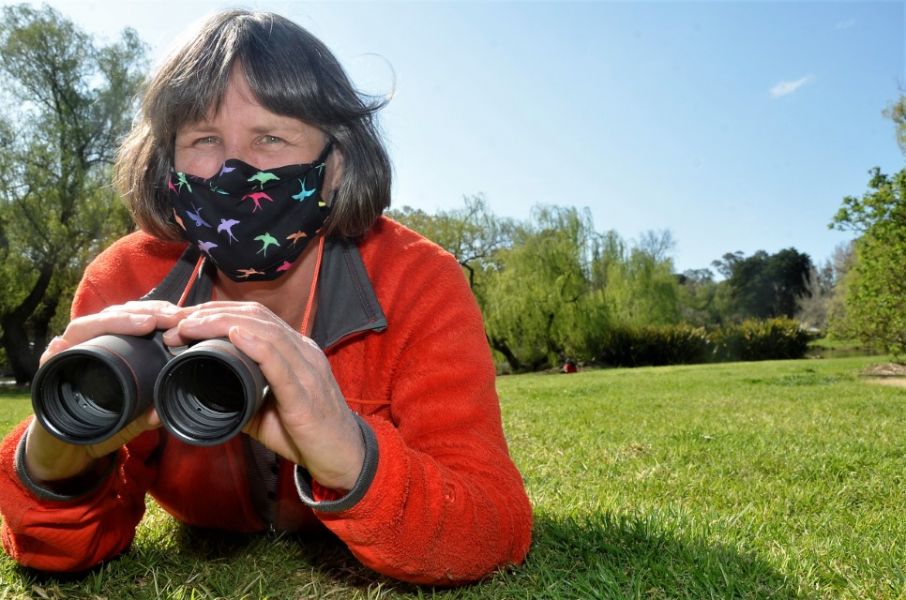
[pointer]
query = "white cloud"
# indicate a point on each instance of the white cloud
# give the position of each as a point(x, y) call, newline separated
point(845, 24)
point(784, 88)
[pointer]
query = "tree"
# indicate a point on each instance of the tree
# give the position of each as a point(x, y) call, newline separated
point(472, 234)
point(699, 302)
point(66, 104)
point(896, 112)
point(875, 288)
point(641, 286)
point(763, 285)
point(540, 304)
point(842, 261)
point(824, 303)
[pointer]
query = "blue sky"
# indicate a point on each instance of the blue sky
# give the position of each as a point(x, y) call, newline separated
point(735, 125)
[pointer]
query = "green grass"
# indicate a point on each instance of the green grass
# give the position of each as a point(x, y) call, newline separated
point(826, 347)
point(740, 480)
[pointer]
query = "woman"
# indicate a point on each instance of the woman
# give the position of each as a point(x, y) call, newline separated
point(382, 423)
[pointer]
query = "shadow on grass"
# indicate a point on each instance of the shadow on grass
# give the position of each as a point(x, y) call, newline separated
point(611, 556)
point(600, 556)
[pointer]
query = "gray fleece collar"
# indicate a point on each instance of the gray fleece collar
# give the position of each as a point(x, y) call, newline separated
point(347, 304)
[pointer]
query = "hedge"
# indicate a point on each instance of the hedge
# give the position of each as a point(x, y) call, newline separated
point(629, 346)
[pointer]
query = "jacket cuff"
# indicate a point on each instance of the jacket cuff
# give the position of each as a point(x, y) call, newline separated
point(305, 485)
point(68, 490)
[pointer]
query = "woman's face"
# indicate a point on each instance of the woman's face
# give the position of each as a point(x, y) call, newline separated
point(244, 129)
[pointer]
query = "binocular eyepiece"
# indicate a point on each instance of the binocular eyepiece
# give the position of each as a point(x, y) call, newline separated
point(204, 395)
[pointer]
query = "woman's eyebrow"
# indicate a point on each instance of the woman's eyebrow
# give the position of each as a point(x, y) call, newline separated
point(199, 127)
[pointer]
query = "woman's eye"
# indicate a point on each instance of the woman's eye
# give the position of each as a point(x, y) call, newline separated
point(207, 140)
point(270, 139)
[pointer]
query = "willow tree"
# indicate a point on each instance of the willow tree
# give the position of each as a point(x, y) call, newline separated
point(541, 304)
point(66, 101)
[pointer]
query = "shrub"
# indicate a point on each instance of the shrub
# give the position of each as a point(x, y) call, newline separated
point(629, 346)
point(770, 339)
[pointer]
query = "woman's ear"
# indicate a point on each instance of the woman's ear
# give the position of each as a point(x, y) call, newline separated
point(334, 172)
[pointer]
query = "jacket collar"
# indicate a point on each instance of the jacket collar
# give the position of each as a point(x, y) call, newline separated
point(347, 304)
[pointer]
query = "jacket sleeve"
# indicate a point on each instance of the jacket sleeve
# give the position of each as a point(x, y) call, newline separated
point(54, 532)
point(446, 504)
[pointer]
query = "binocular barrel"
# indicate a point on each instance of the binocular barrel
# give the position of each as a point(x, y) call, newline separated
point(204, 396)
point(207, 394)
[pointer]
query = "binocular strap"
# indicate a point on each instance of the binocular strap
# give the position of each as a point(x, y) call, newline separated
point(189, 282)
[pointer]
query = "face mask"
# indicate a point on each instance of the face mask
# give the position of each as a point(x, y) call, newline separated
point(253, 224)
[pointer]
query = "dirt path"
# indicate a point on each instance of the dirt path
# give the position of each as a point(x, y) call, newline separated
point(887, 374)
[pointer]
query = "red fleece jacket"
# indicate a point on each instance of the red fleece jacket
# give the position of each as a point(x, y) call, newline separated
point(446, 504)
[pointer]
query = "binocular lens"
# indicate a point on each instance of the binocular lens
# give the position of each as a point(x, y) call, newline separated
point(204, 395)
point(82, 397)
point(209, 392)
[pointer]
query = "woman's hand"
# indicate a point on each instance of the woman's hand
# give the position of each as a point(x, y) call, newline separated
point(307, 421)
point(48, 458)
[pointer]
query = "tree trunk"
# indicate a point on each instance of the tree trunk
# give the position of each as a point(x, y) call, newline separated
point(501, 346)
point(22, 356)
point(21, 352)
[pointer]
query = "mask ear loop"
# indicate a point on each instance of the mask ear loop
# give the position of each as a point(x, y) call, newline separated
point(196, 273)
point(309, 305)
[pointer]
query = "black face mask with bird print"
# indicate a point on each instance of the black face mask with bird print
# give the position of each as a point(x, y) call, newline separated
point(252, 223)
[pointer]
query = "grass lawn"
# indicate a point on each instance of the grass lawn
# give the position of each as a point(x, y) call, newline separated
point(741, 480)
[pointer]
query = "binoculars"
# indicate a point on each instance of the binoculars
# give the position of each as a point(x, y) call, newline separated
point(204, 395)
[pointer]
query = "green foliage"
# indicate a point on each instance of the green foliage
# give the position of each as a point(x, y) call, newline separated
point(472, 234)
point(702, 300)
point(547, 286)
point(896, 112)
point(540, 304)
point(875, 288)
point(765, 285)
point(632, 346)
point(641, 288)
point(776, 480)
point(769, 339)
point(66, 102)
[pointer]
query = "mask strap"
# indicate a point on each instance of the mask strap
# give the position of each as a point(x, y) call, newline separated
point(195, 274)
point(325, 152)
point(311, 292)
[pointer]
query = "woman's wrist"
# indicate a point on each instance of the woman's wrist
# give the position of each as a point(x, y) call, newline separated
point(48, 459)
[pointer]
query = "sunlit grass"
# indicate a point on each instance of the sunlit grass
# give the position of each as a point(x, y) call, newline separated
point(740, 480)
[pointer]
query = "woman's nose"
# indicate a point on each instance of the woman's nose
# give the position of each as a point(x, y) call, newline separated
point(232, 149)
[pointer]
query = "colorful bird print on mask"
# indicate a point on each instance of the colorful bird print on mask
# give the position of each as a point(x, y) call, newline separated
point(182, 181)
point(303, 193)
point(226, 225)
point(196, 217)
point(172, 187)
point(178, 220)
point(295, 237)
point(262, 177)
point(257, 197)
point(285, 266)
point(225, 169)
point(217, 190)
point(266, 240)
point(246, 273)
point(206, 247)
